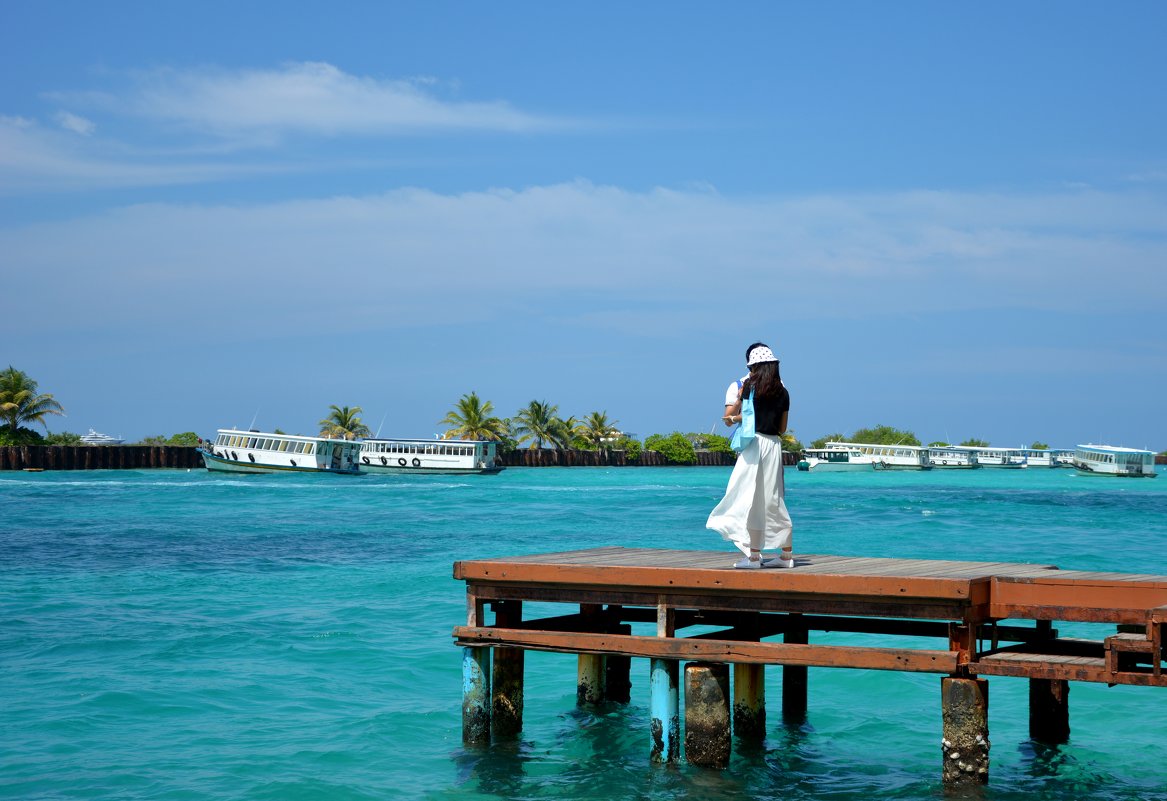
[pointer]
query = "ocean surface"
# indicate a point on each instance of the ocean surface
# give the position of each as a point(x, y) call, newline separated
point(176, 634)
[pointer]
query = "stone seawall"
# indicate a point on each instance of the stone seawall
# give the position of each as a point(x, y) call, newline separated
point(97, 457)
point(140, 457)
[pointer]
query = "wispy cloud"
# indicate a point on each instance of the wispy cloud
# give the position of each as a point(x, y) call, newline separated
point(309, 98)
point(486, 254)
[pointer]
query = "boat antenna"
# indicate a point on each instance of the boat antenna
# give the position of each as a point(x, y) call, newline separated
point(378, 434)
point(253, 419)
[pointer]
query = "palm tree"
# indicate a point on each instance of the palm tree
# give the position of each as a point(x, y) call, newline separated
point(596, 428)
point(563, 431)
point(538, 423)
point(472, 418)
point(344, 422)
point(20, 403)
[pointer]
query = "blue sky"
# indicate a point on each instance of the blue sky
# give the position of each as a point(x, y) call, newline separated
point(947, 219)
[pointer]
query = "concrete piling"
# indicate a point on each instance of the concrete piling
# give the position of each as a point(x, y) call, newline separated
point(476, 698)
point(1049, 711)
point(663, 705)
point(590, 675)
point(965, 737)
point(794, 677)
point(749, 701)
point(507, 696)
point(707, 739)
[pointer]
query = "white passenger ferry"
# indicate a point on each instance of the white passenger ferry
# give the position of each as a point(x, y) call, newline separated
point(834, 460)
point(429, 456)
point(1104, 460)
point(890, 457)
point(1009, 458)
point(235, 451)
point(952, 458)
point(1040, 457)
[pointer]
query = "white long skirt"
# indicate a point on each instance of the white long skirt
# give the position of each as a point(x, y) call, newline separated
point(753, 515)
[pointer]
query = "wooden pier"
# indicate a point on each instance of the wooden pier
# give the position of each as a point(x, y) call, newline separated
point(984, 619)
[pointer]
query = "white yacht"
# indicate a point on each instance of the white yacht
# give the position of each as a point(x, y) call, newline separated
point(890, 457)
point(429, 456)
point(95, 438)
point(235, 451)
point(1104, 460)
point(834, 460)
point(1009, 458)
point(952, 457)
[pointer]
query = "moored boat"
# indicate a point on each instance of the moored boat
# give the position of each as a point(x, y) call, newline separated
point(834, 460)
point(1007, 458)
point(429, 456)
point(96, 438)
point(1106, 460)
point(890, 457)
point(952, 458)
point(235, 451)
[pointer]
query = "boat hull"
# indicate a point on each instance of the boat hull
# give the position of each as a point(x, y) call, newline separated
point(807, 465)
point(374, 469)
point(224, 465)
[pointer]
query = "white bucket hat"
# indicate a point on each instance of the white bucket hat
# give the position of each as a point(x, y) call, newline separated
point(759, 355)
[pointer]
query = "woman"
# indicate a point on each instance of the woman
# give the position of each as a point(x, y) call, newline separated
point(753, 515)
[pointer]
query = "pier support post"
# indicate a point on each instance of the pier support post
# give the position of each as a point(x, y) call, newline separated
point(589, 687)
point(707, 741)
point(1049, 710)
point(965, 738)
point(475, 695)
point(617, 681)
point(662, 708)
point(507, 677)
point(794, 677)
point(749, 701)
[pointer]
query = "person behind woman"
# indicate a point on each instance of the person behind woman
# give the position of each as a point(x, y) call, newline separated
point(753, 515)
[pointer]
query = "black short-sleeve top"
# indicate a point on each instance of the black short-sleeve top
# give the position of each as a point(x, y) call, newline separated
point(768, 412)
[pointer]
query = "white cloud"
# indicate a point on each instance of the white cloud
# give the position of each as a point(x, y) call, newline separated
point(402, 257)
point(74, 123)
point(307, 98)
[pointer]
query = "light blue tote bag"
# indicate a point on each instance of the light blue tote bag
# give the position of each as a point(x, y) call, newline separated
point(744, 434)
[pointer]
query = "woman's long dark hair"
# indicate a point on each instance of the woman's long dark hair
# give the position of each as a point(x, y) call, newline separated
point(764, 378)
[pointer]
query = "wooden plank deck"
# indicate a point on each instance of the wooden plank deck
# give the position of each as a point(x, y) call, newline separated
point(821, 593)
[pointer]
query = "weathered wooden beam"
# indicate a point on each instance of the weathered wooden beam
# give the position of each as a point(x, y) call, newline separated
point(906, 659)
point(1049, 711)
point(749, 701)
point(794, 679)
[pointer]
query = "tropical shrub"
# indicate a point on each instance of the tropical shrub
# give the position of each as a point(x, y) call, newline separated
point(676, 447)
point(884, 435)
point(821, 442)
point(63, 438)
point(21, 436)
point(975, 443)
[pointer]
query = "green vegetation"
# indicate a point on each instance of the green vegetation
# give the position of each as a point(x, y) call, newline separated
point(821, 442)
point(975, 443)
point(21, 403)
point(344, 422)
point(472, 418)
point(939, 444)
point(63, 438)
point(538, 423)
point(676, 447)
point(1039, 446)
point(790, 443)
point(187, 439)
point(884, 435)
point(715, 443)
point(596, 431)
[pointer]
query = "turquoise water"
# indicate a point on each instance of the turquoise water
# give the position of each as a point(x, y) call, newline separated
point(185, 635)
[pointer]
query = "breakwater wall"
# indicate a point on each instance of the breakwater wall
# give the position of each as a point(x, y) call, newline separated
point(141, 457)
point(97, 457)
point(545, 457)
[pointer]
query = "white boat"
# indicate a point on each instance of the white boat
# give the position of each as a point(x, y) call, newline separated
point(429, 456)
point(1062, 457)
point(235, 451)
point(890, 457)
point(834, 460)
point(952, 458)
point(1008, 458)
point(1105, 460)
point(1040, 457)
point(95, 438)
